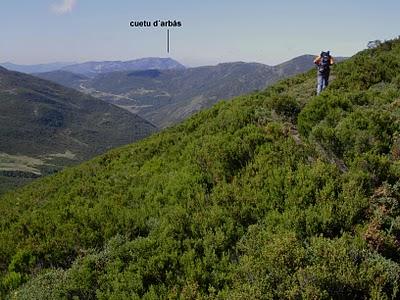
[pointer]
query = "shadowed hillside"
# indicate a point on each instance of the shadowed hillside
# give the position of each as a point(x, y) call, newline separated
point(44, 127)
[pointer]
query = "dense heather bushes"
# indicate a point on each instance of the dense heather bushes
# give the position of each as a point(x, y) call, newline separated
point(233, 203)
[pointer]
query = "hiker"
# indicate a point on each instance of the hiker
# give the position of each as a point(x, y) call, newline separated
point(323, 62)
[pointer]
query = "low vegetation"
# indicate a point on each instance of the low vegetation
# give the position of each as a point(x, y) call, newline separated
point(280, 194)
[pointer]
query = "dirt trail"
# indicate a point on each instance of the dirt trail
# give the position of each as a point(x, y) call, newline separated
point(329, 156)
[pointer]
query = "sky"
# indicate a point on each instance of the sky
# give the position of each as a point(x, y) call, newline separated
point(213, 31)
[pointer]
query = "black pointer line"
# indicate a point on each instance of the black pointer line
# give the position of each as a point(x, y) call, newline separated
point(167, 40)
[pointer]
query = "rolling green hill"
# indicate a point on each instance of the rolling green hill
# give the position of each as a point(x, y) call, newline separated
point(279, 194)
point(44, 127)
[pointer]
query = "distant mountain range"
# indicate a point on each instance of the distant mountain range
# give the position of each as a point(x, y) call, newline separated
point(166, 97)
point(30, 69)
point(45, 127)
point(95, 68)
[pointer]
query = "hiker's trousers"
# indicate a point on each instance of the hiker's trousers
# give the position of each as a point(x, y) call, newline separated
point(322, 82)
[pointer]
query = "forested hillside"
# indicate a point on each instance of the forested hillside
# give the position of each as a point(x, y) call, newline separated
point(45, 127)
point(279, 194)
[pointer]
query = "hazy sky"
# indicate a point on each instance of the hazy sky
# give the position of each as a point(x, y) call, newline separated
point(41, 31)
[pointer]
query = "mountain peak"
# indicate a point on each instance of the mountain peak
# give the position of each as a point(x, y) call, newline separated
point(93, 68)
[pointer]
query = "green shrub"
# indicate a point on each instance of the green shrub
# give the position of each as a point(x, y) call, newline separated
point(233, 203)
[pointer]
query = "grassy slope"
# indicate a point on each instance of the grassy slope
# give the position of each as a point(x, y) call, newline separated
point(233, 203)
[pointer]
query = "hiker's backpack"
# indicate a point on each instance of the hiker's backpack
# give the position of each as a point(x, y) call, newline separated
point(325, 63)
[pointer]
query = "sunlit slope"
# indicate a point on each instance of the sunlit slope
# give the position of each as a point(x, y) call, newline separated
point(275, 195)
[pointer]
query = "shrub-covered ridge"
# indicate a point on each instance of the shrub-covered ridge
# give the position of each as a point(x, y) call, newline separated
point(275, 195)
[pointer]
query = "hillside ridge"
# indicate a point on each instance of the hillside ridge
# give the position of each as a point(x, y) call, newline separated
point(240, 201)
